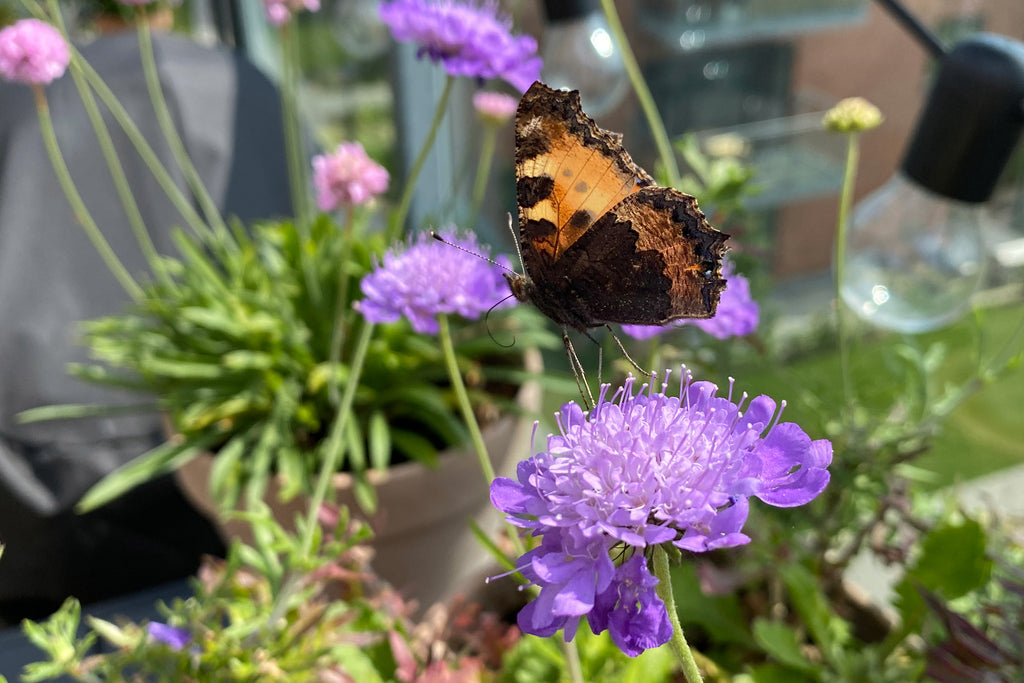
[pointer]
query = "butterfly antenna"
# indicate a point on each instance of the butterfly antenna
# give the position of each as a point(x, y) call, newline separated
point(515, 241)
point(618, 342)
point(462, 248)
point(487, 324)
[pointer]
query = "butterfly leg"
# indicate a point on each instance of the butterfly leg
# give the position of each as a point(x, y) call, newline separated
point(618, 342)
point(577, 371)
point(600, 356)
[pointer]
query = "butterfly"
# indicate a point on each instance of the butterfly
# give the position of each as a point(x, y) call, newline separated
point(600, 241)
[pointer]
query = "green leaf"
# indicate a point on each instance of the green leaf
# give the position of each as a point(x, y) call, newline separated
point(356, 445)
point(950, 573)
point(782, 643)
point(356, 664)
point(71, 411)
point(110, 632)
point(945, 572)
point(212, 319)
point(98, 374)
point(292, 472)
point(163, 459)
point(248, 360)
point(36, 633)
point(414, 446)
point(379, 440)
point(199, 268)
point(365, 492)
point(180, 369)
point(828, 630)
point(225, 472)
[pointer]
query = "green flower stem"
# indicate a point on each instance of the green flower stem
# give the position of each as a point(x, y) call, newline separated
point(643, 93)
point(298, 176)
point(77, 205)
point(79, 67)
point(842, 232)
point(297, 171)
point(397, 224)
point(335, 445)
point(166, 122)
point(572, 661)
point(678, 642)
point(117, 174)
point(462, 397)
point(477, 437)
point(341, 306)
point(483, 171)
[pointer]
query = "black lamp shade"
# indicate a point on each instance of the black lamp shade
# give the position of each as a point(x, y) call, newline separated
point(566, 10)
point(972, 120)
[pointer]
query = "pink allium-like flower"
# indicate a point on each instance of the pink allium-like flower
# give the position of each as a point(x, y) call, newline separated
point(32, 52)
point(280, 11)
point(429, 277)
point(469, 40)
point(494, 108)
point(645, 469)
point(347, 177)
point(737, 314)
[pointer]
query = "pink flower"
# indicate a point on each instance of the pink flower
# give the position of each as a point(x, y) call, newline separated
point(347, 177)
point(280, 11)
point(494, 108)
point(32, 52)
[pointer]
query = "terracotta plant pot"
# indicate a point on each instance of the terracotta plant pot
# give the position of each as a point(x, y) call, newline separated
point(423, 542)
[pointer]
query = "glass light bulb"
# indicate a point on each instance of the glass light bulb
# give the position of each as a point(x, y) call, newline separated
point(913, 258)
point(580, 53)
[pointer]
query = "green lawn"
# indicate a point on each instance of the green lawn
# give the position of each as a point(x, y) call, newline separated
point(983, 435)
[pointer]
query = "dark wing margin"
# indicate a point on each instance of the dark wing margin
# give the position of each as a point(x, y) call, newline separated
point(652, 259)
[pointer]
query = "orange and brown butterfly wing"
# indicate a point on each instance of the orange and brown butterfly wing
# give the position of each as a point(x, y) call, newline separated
point(651, 259)
point(569, 172)
point(600, 241)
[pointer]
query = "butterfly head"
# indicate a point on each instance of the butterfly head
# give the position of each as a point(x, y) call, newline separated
point(522, 286)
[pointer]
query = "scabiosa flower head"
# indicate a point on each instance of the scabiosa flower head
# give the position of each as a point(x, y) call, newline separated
point(644, 469)
point(429, 277)
point(347, 177)
point(737, 314)
point(494, 108)
point(469, 40)
point(32, 52)
point(172, 636)
point(280, 11)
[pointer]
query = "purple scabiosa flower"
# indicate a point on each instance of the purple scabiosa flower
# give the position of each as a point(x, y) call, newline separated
point(32, 52)
point(737, 314)
point(468, 39)
point(494, 108)
point(429, 277)
point(171, 636)
point(279, 12)
point(643, 469)
point(347, 177)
